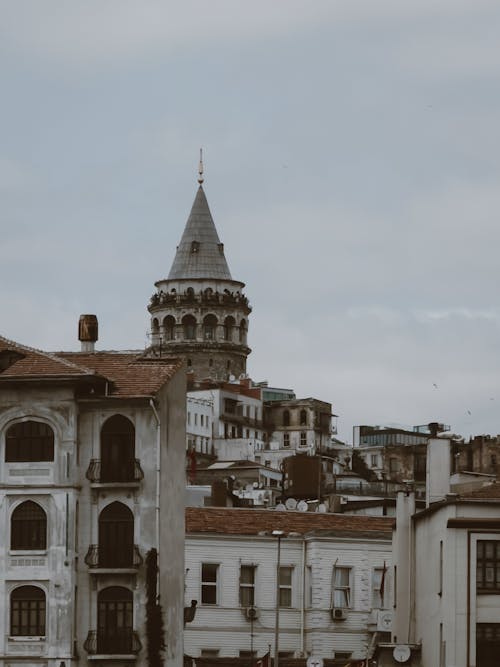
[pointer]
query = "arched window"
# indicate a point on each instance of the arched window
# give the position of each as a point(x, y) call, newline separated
point(169, 327)
point(286, 418)
point(28, 527)
point(114, 621)
point(209, 327)
point(243, 331)
point(116, 536)
point(27, 612)
point(229, 323)
point(117, 450)
point(29, 441)
point(155, 326)
point(303, 417)
point(189, 326)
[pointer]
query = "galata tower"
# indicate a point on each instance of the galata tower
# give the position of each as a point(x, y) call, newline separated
point(199, 312)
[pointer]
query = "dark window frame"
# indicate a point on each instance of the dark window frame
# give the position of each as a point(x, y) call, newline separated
point(28, 527)
point(209, 584)
point(29, 441)
point(247, 585)
point(488, 566)
point(28, 612)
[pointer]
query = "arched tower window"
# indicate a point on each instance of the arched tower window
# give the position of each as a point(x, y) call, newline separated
point(169, 327)
point(189, 326)
point(114, 621)
point(229, 323)
point(28, 527)
point(117, 450)
point(27, 612)
point(155, 326)
point(243, 331)
point(286, 418)
point(303, 417)
point(116, 536)
point(209, 327)
point(29, 441)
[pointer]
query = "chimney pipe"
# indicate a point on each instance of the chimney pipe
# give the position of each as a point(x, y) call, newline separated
point(88, 332)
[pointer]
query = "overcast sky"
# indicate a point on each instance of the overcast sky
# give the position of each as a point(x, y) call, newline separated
point(352, 155)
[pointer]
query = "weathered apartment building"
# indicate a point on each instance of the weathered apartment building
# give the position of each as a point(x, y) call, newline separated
point(92, 448)
point(330, 574)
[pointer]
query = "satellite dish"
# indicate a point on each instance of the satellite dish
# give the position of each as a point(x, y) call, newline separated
point(280, 507)
point(291, 503)
point(322, 508)
point(256, 485)
point(302, 506)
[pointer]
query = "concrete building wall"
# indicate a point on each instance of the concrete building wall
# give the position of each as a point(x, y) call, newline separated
point(307, 626)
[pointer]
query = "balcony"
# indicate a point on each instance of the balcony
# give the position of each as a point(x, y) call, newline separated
point(121, 643)
point(127, 474)
point(108, 561)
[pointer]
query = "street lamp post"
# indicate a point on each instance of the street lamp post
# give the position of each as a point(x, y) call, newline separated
point(279, 534)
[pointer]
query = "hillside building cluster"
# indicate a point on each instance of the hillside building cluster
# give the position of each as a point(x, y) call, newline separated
point(294, 547)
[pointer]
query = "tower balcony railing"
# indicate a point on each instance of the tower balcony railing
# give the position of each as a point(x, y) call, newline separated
point(126, 472)
point(118, 641)
point(210, 298)
point(119, 558)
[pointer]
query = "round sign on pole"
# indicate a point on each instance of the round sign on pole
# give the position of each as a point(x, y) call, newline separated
point(314, 661)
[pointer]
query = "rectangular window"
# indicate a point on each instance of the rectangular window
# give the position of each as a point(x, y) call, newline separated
point(487, 644)
point(189, 418)
point(195, 418)
point(286, 439)
point(393, 465)
point(202, 420)
point(209, 572)
point(286, 586)
point(374, 460)
point(247, 585)
point(341, 587)
point(488, 566)
point(209, 653)
point(303, 439)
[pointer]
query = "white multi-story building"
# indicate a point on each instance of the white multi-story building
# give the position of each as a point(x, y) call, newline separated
point(234, 413)
point(92, 448)
point(332, 588)
point(447, 560)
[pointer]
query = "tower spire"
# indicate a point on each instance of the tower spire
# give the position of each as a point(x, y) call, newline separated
point(200, 168)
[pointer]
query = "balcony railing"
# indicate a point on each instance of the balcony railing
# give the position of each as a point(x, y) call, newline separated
point(126, 472)
point(116, 559)
point(119, 641)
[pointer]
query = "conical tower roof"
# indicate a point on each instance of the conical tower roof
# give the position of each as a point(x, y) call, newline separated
point(200, 254)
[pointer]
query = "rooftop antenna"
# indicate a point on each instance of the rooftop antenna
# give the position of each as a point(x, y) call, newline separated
point(200, 168)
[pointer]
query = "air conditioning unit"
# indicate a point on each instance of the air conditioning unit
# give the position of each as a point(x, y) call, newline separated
point(339, 614)
point(251, 613)
point(384, 620)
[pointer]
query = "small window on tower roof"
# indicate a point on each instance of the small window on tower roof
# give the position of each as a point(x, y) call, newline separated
point(221, 248)
point(195, 247)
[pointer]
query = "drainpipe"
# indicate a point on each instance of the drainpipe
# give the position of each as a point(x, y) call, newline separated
point(157, 501)
point(303, 597)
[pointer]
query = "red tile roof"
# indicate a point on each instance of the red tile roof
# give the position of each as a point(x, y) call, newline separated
point(131, 375)
point(128, 373)
point(243, 521)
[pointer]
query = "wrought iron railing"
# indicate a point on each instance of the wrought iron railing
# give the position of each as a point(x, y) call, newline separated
point(118, 641)
point(126, 471)
point(117, 558)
